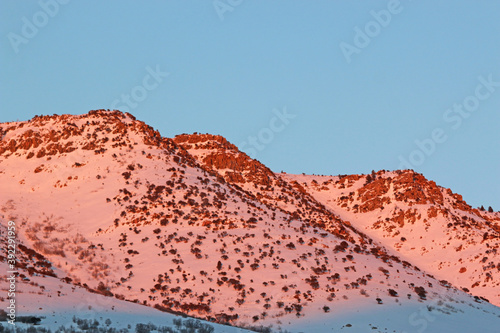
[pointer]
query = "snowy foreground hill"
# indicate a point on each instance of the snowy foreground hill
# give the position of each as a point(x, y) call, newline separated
point(118, 227)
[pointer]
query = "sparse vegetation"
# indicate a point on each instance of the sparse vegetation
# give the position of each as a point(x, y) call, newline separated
point(223, 224)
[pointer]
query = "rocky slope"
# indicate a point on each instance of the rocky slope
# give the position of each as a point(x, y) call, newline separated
point(426, 224)
point(193, 225)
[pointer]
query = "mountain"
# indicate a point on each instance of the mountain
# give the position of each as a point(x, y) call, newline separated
point(428, 225)
point(106, 207)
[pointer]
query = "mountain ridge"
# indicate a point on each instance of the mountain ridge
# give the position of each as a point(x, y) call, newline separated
point(115, 207)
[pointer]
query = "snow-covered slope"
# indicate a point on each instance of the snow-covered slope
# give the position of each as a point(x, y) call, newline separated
point(103, 204)
point(423, 223)
point(59, 303)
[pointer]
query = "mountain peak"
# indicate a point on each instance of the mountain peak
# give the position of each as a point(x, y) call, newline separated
point(204, 141)
point(218, 154)
point(97, 130)
point(192, 224)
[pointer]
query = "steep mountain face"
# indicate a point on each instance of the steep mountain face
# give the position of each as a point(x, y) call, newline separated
point(193, 225)
point(428, 225)
point(259, 182)
point(217, 154)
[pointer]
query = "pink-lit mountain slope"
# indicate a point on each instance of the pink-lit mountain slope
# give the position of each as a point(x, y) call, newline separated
point(425, 224)
point(465, 240)
point(192, 225)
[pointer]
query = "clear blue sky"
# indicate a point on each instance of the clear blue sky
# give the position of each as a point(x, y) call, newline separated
point(362, 91)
